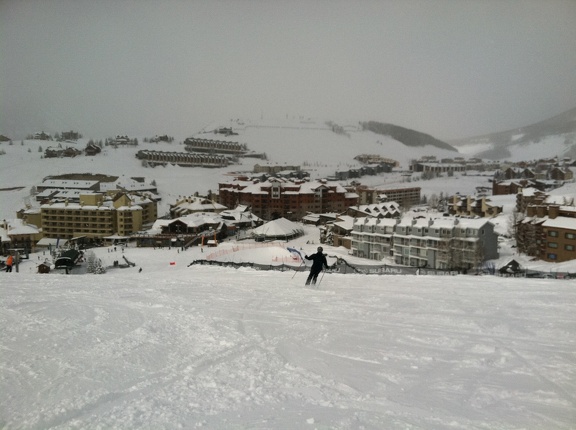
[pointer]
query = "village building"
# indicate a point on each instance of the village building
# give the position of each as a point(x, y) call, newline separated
point(189, 205)
point(42, 136)
point(341, 231)
point(443, 243)
point(283, 198)
point(97, 216)
point(274, 169)
point(17, 234)
point(509, 186)
point(198, 228)
point(405, 197)
point(528, 197)
point(193, 144)
point(372, 238)
point(92, 149)
point(123, 141)
point(185, 159)
point(376, 210)
point(470, 206)
point(548, 232)
point(437, 167)
point(561, 174)
point(52, 152)
point(69, 184)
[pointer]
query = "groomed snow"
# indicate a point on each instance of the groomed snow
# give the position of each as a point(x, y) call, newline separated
point(179, 346)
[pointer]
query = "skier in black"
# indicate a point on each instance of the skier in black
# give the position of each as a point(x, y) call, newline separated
point(318, 263)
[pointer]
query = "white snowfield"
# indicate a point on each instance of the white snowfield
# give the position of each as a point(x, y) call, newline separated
point(223, 348)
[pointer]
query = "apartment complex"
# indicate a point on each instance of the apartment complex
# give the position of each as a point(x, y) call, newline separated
point(473, 206)
point(191, 204)
point(405, 197)
point(548, 232)
point(443, 243)
point(284, 198)
point(193, 159)
point(18, 234)
point(97, 216)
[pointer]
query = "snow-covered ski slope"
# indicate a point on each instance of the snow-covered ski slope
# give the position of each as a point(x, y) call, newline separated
point(314, 142)
point(222, 348)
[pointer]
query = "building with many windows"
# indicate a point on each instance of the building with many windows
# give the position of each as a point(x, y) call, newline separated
point(285, 198)
point(443, 243)
point(548, 232)
point(192, 204)
point(97, 216)
point(405, 197)
point(473, 206)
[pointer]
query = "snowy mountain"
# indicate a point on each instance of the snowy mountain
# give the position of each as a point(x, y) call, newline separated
point(316, 142)
point(405, 135)
point(320, 147)
point(193, 346)
point(553, 137)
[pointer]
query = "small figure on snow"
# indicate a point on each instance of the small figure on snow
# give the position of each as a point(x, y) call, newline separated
point(9, 263)
point(318, 263)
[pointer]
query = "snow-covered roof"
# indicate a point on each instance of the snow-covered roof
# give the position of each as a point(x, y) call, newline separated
point(561, 222)
point(17, 226)
point(345, 222)
point(278, 227)
point(51, 241)
point(68, 183)
point(125, 183)
point(77, 206)
point(197, 204)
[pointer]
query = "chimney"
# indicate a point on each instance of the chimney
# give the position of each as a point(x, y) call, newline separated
point(553, 211)
point(540, 211)
point(530, 210)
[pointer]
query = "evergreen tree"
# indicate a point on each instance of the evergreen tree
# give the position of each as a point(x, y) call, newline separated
point(94, 264)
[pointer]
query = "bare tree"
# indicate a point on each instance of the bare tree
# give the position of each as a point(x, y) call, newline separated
point(515, 217)
point(433, 201)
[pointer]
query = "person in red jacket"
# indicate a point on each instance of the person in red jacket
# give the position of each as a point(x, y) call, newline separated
point(9, 263)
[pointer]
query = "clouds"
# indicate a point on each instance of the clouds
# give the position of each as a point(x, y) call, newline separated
point(446, 68)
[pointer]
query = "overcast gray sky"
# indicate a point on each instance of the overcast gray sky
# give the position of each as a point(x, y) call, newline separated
point(450, 68)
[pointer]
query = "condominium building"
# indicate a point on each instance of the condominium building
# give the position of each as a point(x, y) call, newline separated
point(405, 197)
point(473, 206)
point(548, 232)
point(97, 216)
point(290, 199)
point(443, 243)
point(373, 237)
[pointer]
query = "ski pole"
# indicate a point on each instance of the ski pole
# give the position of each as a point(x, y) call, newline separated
point(297, 270)
point(321, 277)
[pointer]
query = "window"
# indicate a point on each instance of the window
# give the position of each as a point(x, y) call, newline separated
point(553, 233)
point(570, 236)
point(552, 245)
point(569, 247)
point(551, 256)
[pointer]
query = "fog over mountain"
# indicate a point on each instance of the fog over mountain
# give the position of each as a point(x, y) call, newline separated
point(555, 136)
point(446, 68)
